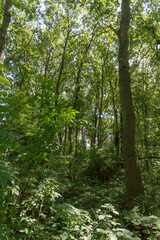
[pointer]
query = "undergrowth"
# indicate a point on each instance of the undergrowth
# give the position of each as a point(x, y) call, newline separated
point(48, 206)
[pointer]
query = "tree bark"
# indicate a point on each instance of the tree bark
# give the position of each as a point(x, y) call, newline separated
point(134, 187)
point(4, 28)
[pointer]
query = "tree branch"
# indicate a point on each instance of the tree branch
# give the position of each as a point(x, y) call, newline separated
point(114, 30)
point(150, 157)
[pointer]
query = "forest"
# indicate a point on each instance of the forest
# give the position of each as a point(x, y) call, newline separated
point(79, 119)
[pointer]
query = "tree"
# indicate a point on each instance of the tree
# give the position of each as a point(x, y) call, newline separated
point(134, 186)
point(60, 57)
point(4, 27)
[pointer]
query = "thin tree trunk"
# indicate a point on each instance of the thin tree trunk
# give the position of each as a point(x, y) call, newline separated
point(121, 130)
point(46, 64)
point(76, 143)
point(61, 67)
point(100, 106)
point(83, 139)
point(145, 115)
point(70, 140)
point(134, 186)
point(78, 87)
point(95, 120)
point(100, 119)
point(70, 149)
point(58, 86)
point(4, 27)
point(65, 141)
point(116, 131)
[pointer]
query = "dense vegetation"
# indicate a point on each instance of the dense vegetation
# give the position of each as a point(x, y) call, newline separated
point(69, 164)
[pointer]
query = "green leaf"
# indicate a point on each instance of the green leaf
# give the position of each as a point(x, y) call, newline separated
point(4, 80)
point(34, 179)
point(112, 236)
point(64, 236)
point(3, 181)
point(4, 93)
point(101, 217)
point(2, 68)
point(5, 135)
point(4, 176)
point(115, 212)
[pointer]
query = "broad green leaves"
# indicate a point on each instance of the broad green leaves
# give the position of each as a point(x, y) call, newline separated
point(4, 80)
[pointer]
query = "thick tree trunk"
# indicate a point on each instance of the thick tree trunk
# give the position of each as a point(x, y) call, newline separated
point(4, 28)
point(134, 186)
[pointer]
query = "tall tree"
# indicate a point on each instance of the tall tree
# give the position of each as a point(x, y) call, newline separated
point(134, 186)
point(4, 27)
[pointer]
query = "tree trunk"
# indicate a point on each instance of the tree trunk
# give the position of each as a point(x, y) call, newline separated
point(146, 127)
point(61, 68)
point(76, 143)
point(134, 186)
point(116, 128)
point(4, 28)
point(78, 86)
point(101, 106)
point(70, 140)
point(95, 120)
point(70, 149)
point(65, 141)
